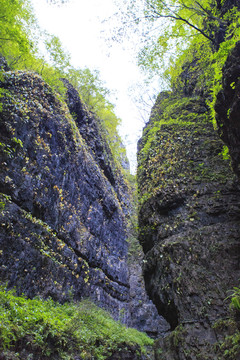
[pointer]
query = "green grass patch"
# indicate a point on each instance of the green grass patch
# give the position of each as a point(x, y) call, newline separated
point(55, 331)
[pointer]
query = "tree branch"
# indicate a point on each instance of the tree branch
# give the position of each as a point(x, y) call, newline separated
point(6, 39)
point(189, 24)
point(175, 16)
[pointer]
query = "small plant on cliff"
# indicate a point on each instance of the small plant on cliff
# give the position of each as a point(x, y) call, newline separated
point(235, 298)
point(228, 348)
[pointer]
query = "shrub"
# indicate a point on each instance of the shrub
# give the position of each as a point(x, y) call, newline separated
point(59, 331)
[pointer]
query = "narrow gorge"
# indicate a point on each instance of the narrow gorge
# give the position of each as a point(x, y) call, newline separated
point(88, 264)
point(66, 206)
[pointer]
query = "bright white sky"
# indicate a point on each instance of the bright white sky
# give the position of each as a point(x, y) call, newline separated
point(79, 26)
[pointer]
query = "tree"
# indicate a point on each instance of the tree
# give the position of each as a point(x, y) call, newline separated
point(20, 36)
point(90, 87)
point(170, 25)
point(56, 54)
point(193, 14)
point(14, 18)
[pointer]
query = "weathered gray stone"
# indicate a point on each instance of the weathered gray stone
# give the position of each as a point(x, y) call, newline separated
point(64, 222)
point(189, 226)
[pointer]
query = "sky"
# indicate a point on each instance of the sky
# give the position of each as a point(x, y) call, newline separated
point(84, 34)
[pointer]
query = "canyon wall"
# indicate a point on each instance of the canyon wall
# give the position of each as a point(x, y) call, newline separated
point(64, 202)
point(189, 216)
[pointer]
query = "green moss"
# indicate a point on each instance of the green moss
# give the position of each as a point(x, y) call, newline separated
point(3, 200)
point(3, 93)
point(62, 331)
point(228, 347)
point(225, 153)
point(2, 206)
point(179, 149)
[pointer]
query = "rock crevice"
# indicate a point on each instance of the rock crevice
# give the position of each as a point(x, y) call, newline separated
point(65, 204)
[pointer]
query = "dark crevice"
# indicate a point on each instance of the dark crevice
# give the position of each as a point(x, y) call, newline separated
point(167, 310)
point(165, 306)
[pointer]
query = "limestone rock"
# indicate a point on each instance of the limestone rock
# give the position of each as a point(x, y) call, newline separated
point(63, 205)
point(228, 107)
point(144, 314)
point(189, 225)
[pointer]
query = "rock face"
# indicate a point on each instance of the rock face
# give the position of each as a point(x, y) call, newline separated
point(65, 205)
point(189, 225)
point(63, 202)
point(144, 314)
point(228, 107)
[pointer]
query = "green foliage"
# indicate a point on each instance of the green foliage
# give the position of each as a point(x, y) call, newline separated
point(201, 63)
point(15, 17)
point(90, 87)
point(229, 345)
point(12, 147)
point(225, 153)
point(19, 38)
point(169, 27)
point(219, 58)
point(58, 57)
point(2, 93)
point(195, 61)
point(235, 298)
point(61, 331)
point(176, 23)
point(2, 206)
point(19, 43)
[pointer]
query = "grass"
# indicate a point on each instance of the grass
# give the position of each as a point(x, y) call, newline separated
point(49, 330)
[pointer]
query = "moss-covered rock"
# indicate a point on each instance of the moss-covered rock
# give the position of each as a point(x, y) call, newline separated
point(189, 224)
point(63, 224)
point(228, 106)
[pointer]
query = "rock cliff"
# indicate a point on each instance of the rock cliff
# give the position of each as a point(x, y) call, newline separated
point(189, 225)
point(228, 106)
point(64, 203)
point(189, 194)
